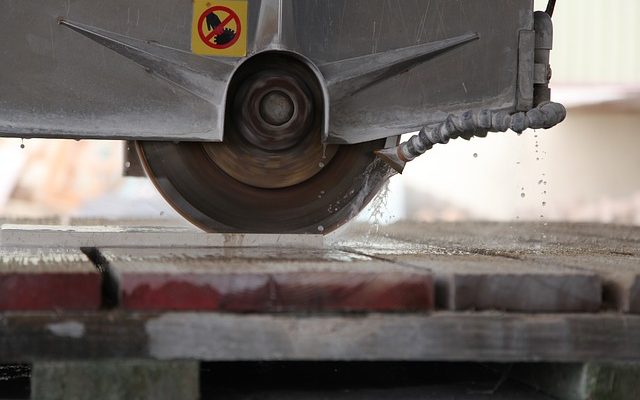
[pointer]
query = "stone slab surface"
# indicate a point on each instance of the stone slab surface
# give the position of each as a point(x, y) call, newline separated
point(619, 275)
point(528, 267)
point(48, 279)
point(265, 280)
point(140, 237)
point(459, 336)
point(514, 239)
point(524, 267)
point(468, 281)
point(115, 380)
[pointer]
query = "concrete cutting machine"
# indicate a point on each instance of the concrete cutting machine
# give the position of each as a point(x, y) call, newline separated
point(274, 115)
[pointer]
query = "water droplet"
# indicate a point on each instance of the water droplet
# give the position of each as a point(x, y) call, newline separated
point(523, 195)
point(22, 143)
point(545, 192)
point(127, 164)
point(161, 213)
point(518, 163)
point(475, 155)
point(540, 182)
point(321, 165)
point(320, 228)
point(544, 204)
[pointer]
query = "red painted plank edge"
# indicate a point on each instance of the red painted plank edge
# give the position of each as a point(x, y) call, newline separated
point(286, 292)
point(50, 291)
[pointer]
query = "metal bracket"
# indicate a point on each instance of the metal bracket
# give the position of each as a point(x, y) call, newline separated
point(526, 76)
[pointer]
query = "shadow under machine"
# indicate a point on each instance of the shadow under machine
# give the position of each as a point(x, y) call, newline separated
point(274, 115)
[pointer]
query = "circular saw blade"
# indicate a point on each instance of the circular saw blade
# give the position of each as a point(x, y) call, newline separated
point(204, 194)
point(272, 173)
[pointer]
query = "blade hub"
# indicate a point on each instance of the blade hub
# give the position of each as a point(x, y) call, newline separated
point(276, 108)
point(273, 110)
point(273, 126)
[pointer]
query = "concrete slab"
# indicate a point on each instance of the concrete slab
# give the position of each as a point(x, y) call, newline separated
point(48, 279)
point(114, 236)
point(265, 280)
point(514, 239)
point(610, 252)
point(619, 274)
point(467, 280)
point(115, 380)
point(476, 266)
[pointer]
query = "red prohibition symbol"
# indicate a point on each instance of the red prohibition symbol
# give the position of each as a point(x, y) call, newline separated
point(217, 29)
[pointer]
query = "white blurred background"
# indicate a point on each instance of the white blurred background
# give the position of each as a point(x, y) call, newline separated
point(587, 169)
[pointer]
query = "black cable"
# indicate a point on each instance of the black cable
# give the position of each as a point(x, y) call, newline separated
point(550, 7)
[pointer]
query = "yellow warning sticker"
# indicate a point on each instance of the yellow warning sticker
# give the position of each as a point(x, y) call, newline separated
point(219, 28)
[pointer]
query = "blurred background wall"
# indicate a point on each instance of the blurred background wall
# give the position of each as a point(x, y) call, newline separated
point(587, 169)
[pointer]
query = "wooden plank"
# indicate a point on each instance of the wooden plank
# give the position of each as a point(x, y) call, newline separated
point(265, 280)
point(634, 296)
point(140, 237)
point(48, 279)
point(490, 337)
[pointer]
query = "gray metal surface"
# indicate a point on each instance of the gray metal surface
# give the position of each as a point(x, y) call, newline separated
point(125, 70)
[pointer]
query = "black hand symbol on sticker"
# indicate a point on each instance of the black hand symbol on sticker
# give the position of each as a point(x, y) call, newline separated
point(222, 35)
point(212, 21)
